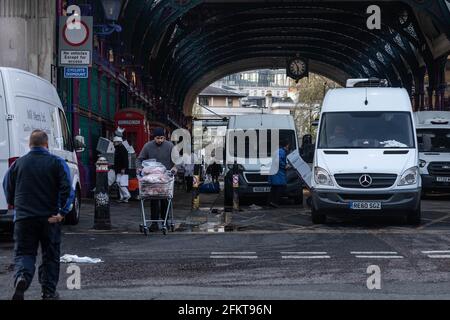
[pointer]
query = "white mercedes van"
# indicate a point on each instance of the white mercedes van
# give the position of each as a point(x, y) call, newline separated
point(27, 103)
point(366, 160)
point(433, 135)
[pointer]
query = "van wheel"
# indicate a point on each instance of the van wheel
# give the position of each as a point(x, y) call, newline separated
point(318, 217)
point(299, 199)
point(73, 217)
point(309, 202)
point(424, 195)
point(414, 218)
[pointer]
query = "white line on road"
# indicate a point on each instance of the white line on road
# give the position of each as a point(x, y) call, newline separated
point(379, 257)
point(234, 257)
point(303, 253)
point(439, 256)
point(305, 257)
point(374, 252)
point(232, 253)
point(437, 251)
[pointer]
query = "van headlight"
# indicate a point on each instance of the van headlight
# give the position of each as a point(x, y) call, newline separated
point(322, 177)
point(422, 163)
point(409, 177)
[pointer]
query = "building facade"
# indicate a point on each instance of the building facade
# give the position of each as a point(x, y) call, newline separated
point(257, 84)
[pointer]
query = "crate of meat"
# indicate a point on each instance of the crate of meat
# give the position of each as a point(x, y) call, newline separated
point(155, 181)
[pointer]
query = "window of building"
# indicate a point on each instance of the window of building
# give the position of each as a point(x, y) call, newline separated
point(204, 101)
point(213, 131)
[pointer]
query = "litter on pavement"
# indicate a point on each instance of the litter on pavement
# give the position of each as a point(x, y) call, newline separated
point(68, 258)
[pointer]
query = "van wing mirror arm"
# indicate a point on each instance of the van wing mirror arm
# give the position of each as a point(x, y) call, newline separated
point(79, 144)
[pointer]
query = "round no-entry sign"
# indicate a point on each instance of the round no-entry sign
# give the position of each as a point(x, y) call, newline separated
point(76, 37)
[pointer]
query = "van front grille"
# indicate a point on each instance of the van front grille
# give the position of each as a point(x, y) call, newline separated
point(256, 178)
point(439, 168)
point(365, 197)
point(352, 180)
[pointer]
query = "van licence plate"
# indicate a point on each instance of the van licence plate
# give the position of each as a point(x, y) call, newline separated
point(365, 205)
point(261, 189)
point(443, 179)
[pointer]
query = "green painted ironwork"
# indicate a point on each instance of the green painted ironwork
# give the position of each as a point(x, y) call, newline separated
point(94, 90)
point(84, 94)
point(112, 100)
point(104, 96)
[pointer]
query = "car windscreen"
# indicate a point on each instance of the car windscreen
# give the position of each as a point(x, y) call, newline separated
point(366, 130)
point(433, 140)
point(251, 142)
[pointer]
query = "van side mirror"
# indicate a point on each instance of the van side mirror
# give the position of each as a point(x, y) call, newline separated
point(307, 152)
point(79, 144)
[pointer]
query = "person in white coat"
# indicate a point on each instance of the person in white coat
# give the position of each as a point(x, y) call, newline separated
point(121, 168)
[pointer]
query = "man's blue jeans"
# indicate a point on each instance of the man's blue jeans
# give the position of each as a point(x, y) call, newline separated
point(28, 235)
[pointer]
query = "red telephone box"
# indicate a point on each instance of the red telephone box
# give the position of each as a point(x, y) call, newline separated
point(136, 133)
point(135, 125)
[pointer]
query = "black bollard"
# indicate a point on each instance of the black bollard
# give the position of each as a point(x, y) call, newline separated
point(102, 220)
point(235, 187)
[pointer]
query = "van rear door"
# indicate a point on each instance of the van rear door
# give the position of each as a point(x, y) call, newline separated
point(4, 145)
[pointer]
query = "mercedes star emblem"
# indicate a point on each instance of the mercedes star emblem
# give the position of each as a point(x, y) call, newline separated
point(365, 180)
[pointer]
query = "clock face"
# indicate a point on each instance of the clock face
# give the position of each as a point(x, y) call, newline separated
point(297, 67)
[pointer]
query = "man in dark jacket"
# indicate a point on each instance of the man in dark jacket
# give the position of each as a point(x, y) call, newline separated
point(215, 170)
point(39, 187)
point(121, 168)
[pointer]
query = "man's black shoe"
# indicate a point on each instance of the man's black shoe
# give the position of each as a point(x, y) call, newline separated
point(21, 286)
point(48, 296)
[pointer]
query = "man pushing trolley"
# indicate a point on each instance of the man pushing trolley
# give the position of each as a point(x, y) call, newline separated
point(156, 169)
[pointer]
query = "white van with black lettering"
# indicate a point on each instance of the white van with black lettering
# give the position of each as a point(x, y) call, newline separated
point(27, 103)
point(366, 160)
point(433, 135)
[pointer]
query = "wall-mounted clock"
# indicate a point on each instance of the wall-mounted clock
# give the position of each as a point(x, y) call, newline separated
point(297, 68)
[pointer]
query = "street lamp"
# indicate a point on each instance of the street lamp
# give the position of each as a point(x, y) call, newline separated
point(112, 10)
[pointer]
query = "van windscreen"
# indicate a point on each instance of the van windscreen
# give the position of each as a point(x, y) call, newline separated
point(366, 130)
point(255, 144)
point(433, 140)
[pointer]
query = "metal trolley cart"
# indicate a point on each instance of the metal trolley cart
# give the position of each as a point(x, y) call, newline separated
point(157, 191)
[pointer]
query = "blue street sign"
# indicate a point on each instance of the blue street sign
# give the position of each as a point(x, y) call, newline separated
point(76, 73)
